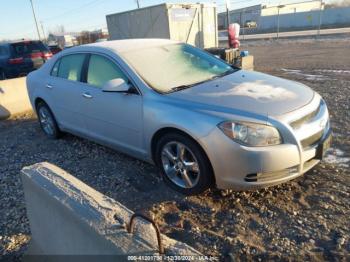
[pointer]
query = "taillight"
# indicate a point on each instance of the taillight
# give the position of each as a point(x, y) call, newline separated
point(47, 55)
point(36, 55)
point(16, 61)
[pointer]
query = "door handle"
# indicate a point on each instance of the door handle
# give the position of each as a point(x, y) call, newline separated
point(87, 95)
point(49, 86)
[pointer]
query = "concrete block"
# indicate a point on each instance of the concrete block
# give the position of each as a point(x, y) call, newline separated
point(13, 97)
point(67, 217)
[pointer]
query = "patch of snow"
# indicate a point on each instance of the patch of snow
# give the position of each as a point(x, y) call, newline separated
point(333, 71)
point(309, 77)
point(336, 156)
point(292, 71)
point(259, 91)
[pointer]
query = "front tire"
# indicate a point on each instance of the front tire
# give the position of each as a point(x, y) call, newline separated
point(183, 163)
point(47, 121)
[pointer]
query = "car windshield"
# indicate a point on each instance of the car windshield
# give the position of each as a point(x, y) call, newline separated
point(168, 68)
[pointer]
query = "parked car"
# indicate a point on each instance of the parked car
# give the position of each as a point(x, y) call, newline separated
point(55, 49)
point(21, 57)
point(202, 121)
point(250, 24)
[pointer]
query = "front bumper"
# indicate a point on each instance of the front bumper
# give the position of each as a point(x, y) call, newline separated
point(247, 168)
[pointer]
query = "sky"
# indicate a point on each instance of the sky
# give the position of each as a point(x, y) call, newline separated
point(16, 17)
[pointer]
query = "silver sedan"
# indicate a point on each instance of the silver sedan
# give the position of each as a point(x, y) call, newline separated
point(203, 122)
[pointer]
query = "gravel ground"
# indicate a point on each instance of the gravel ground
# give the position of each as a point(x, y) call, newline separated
point(305, 218)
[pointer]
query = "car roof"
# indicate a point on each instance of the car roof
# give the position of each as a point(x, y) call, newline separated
point(126, 45)
point(18, 42)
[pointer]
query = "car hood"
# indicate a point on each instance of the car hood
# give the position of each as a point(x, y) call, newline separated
point(250, 91)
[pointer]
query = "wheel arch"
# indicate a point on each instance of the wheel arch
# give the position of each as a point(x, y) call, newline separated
point(167, 130)
point(39, 100)
point(42, 100)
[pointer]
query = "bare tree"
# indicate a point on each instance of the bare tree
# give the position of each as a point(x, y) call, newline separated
point(338, 3)
point(59, 30)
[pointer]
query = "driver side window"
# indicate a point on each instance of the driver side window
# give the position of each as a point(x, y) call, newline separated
point(102, 70)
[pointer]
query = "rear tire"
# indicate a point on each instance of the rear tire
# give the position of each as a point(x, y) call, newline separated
point(183, 164)
point(47, 121)
point(2, 74)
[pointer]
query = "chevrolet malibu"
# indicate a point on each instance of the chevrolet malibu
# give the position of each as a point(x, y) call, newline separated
point(203, 122)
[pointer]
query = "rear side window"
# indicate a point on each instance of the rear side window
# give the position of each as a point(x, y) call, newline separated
point(70, 67)
point(102, 70)
point(25, 48)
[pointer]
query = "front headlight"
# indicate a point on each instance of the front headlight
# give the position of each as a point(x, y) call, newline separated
point(251, 134)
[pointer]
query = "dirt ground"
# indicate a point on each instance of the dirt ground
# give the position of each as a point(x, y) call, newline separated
point(307, 218)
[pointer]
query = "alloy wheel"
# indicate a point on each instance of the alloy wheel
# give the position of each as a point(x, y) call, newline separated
point(180, 165)
point(46, 121)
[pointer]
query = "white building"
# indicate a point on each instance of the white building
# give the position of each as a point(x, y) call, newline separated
point(263, 13)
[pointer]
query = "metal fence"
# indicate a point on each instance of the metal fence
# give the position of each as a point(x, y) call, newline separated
point(274, 20)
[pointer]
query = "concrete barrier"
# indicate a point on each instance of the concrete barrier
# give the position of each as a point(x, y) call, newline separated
point(13, 97)
point(67, 217)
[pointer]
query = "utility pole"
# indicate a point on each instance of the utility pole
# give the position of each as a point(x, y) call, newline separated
point(278, 19)
point(42, 29)
point(320, 19)
point(36, 22)
point(228, 13)
point(243, 23)
point(138, 3)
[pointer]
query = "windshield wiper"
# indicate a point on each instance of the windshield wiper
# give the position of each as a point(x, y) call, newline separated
point(178, 88)
point(228, 72)
point(182, 87)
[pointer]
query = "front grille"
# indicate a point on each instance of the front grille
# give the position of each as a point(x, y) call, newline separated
point(265, 177)
point(296, 124)
point(312, 140)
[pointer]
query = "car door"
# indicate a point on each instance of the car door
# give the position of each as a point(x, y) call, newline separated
point(111, 117)
point(65, 88)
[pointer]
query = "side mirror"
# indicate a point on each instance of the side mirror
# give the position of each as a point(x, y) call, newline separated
point(116, 85)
